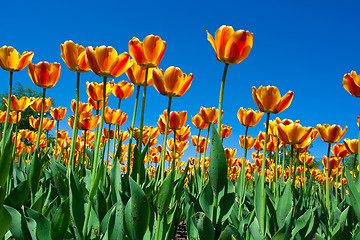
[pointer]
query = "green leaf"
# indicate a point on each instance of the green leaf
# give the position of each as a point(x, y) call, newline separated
point(164, 196)
point(301, 222)
point(228, 233)
point(115, 181)
point(203, 224)
point(137, 212)
point(259, 200)
point(354, 195)
point(255, 229)
point(116, 222)
point(191, 229)
point(60, 221)
point(6, 221)
point(336, 232)
point(283, 207)
point(35, 171)
point(6, 157)
point(76, 203)
point(206, 200)
point(218, 165)
point(18, 196)
point(42, 224)
point(18, 227)
point(59, 176)
point(226, 204)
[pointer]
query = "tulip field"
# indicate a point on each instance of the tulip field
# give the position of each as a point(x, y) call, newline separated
point(100, 182)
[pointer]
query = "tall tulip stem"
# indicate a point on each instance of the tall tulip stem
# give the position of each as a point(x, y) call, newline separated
point(7, 112)
point(203, 162)
point(76, 114)
point(163, 149)
point(221, 97)
point(41, 122)
point(143, 109)
point(116, 132)
point(327, 187)
point(132, 129)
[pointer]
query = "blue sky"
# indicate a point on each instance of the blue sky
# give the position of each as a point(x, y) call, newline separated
point(303, 46)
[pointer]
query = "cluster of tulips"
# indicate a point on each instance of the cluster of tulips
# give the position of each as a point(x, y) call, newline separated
point(77, 187)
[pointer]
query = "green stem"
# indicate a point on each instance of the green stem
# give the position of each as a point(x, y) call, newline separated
point(56, 138)
point(116, 133)
point(276, 180)
point(16, 134)
point(174, 153)
point(7, 112)
point(132, 129)
point(203, 162)
point(197, 145)
point(41, 122)
point(263, 233)
point(143, 112)
point(327, 187)
point(163, 149)
point(291, 161)
point(74, 134)
point(221, 97)
point(84, 155)
point(95, 170)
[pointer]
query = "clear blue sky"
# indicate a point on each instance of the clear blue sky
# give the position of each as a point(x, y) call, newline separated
point(303, 46)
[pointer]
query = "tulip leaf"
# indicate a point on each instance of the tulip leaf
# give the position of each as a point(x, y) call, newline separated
point(115, 181)
point(283, 207)
point(116, 222)
point(301, 222)
point(259, 201)
point(204, 226)
point(255, 229)
point(354, 195)
point(164, 196)
point(338, 229)
point(18, 196)
point(5, 219)
point(60, 221)
point(206, 200)
point(191, 230)
point(18, 228)
point(229, 232)
point(6, 157)
point(218, 164)
point(76, 203)
point(137, 212)
point(36, 170)
point(42, 224)
point(59, 174)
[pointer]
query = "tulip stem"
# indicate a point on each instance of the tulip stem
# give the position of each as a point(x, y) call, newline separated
point(56, 138)
point(84, 155)
point(143, 113)
point(203, 162)
point(262, 221)
point(197, 145)
point(116, 134)
point(174, 153)
point(73, 142)
point(16, 134)
point(327, 187)
point(221, 97)
point(7, 112)
point(132, 129)
point(163, 149)
point(41, 122)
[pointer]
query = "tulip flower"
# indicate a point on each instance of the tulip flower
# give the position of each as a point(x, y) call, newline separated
point(95, 90)
point(250, 142)
point(74, 56)
point(209, 115)
point(105, 62)
point(123, 89)
point(58, 113)
point(177, 119)
point(137, 75)
point(44, 74)
point(199, 122)
point(268, 99)
point(111, 115)
point(82, 108)
point(231, 47)
point(351, 83)
point(293, 133)
point(86, 121)
point(249, 117)
point(174, 83)
point(331, 134)
point(97, 105)
point(36, 104)
point(149, 52)
point(18, 104)
point(183, 133)
point(225, 131)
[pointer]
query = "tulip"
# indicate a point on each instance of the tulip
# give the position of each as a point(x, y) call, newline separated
point(161, 123)
point(225, 131)
point(331, 134)
point(351, 82)
point(183, 133)
point(249, 117)
point(95, 90)
point(137, 75)
point(123, 89)
point(231, 47)
point(97, 105)
point(293, 133)
point(74, 56)
point(351, 145)
point(250, 142)
point(177, 120)
point(111, 115)
point(105, 62)
point(268, 99)
point(18, 104)
point(86, 121)
point(209, 115)
point(199, 122)
point(174, 83)
point(44, 74)
point(11, 60)
point(149, 52)
point(36, 104)
point(82, 108)
point(58, 113)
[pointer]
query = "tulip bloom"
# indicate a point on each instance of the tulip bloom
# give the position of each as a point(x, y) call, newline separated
point(97, 105)
point(333, 163)
point(95, 90)
point(58, 113)
point(293, 133)
point(83, 107)
point(136, 75)
point(231, 47)
point(177, 119)
point(331, 134)
point(249, 117)
point(225, 131)
point(86, 121)
point(183, 133)
point(47, 123)
point(198, 122)
point(112, 116)
point(149, 52)
point(44, 74)
point(11, 60)
point(339, 150)
point(351, 82)
point(209, 115)
point(18, 104)
point(105, 62)
point(123, 89)
point(36, 104)
point(250, 142)
point(268, 99)
point(351, 145)
point(174, 83)
point(74, 56)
